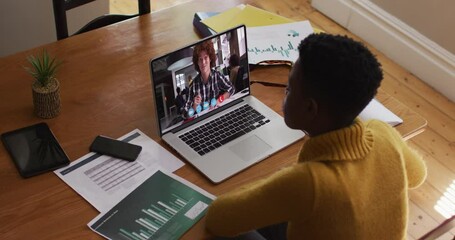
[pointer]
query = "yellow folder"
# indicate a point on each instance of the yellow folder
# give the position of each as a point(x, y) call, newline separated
point(243, 14)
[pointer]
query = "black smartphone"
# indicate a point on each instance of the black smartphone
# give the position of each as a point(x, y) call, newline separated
point(115, 148)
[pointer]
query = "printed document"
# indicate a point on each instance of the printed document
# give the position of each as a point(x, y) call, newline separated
point(103, 181)
point(165, 206)
point(277, 42)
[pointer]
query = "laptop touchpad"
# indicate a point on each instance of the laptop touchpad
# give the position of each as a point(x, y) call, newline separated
point(249, 148)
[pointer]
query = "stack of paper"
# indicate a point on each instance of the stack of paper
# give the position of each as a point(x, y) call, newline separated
point(140, 199)
point(271, 37)
point(243, 14)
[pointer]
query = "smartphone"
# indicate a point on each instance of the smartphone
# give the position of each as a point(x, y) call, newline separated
point(115, 148)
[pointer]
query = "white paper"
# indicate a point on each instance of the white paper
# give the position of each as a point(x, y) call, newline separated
point(103, 181)
point(276, 42)
point(375, 110)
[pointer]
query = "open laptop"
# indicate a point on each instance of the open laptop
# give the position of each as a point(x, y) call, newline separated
point(221, 136)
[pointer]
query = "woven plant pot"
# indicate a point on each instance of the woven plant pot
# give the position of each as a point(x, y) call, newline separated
point(46, 100)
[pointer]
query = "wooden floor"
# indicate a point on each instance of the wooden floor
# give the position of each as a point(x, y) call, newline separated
point(436, 144)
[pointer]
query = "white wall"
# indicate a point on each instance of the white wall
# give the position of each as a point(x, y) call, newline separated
point(26, 24)
point(434, 19)
point(402, 43)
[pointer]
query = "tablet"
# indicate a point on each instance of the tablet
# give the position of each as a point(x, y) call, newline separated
point(34, 150)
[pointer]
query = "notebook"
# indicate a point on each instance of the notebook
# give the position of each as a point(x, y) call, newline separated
point(230, 130)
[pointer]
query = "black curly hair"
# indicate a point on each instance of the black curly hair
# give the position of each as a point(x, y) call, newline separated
point(339, 72)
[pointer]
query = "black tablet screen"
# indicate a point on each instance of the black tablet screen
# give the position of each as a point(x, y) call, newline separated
point(34, 149)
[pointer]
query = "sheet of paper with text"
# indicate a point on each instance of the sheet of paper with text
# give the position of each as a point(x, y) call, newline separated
point(276, 42)
point(103, 181)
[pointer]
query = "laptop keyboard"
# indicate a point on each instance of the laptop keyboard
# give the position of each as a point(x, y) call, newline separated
point(224, 129)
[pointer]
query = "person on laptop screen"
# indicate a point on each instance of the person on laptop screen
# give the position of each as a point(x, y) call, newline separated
point(210, 87)
point(351, 179)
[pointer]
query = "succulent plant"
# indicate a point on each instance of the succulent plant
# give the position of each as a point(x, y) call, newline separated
point(43, 68)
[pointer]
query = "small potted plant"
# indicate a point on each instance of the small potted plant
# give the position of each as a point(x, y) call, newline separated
point(45, 87)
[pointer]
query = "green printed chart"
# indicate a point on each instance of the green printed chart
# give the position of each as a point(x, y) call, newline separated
point(160, 208)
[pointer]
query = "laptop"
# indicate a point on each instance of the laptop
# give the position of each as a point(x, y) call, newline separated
point(219, 127)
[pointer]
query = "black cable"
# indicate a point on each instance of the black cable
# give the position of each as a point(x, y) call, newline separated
point(268, 64)
point(269, 84)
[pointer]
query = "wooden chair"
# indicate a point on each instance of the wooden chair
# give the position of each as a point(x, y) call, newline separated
point(61, 6)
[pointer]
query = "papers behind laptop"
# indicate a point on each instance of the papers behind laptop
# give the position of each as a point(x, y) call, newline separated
point(243, 14)
point(375, 110)
point(282, 41)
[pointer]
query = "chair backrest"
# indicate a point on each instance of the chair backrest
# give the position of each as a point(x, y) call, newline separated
point(61, 6)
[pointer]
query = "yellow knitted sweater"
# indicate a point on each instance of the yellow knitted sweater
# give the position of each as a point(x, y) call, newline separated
point(351, 183)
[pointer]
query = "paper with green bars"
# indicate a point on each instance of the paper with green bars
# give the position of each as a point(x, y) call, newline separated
point(165, 206)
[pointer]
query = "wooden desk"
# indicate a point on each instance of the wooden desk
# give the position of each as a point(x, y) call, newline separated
point(105, 89)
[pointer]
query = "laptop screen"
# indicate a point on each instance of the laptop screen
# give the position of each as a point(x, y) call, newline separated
point(203, 78)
